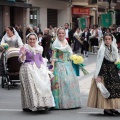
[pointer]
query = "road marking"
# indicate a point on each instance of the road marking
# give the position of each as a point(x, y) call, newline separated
point(19, 110)
point(89, 112)
point(10, 110)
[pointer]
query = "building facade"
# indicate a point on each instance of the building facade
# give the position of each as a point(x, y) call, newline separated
point(91, 10)
point(13, 12)
point(48, 12)
point(33, 12)
point(84, 9)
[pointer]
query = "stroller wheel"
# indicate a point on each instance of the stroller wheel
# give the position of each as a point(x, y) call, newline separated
point(3, 82)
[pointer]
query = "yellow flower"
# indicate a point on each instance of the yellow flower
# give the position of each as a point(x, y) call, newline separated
point(72, 57)
point(4, 44)
point(80, 59)
point(118, 62)
point(77, 59)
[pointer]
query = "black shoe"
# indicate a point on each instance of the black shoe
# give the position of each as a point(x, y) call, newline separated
point(115, 112)
point(109, 113)
point(27, 110)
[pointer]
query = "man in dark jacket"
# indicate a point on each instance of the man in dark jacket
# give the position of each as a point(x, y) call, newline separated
point(46, 41)
point(85, 39)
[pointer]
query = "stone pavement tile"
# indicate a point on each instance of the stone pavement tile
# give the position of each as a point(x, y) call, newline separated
point(90, 68)
point(85, 83)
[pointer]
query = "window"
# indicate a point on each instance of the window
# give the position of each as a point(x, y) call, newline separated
point(34, 16)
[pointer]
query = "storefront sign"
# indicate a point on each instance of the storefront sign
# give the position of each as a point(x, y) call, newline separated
point(80, 11)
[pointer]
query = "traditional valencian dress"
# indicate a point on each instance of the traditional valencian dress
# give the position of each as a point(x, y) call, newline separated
point(108, 71)
point(35, 81)
point(14, 41)
point(65, 86)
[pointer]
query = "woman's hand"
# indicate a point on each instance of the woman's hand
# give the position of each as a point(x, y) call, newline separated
point(23, 51)
point(98, 79)
point(2, 48)
point(52, 70)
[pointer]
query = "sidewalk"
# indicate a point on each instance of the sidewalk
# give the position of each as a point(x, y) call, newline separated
point(85, 81)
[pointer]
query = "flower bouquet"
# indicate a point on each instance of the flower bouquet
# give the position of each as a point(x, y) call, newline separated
point(77, 62)
point(5, 46)
point(118, 65)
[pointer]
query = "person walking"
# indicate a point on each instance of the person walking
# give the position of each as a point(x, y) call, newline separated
point(65, 86)
point(77, 41)
point(35, 77)
point(94, 39)
point(13, 40)
point(105, 86)
point(46, 42)
point(85, 38)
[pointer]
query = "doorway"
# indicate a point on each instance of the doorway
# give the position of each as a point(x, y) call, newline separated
point(12, 16)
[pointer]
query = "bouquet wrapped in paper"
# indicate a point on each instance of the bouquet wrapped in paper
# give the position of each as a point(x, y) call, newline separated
point(78, 63)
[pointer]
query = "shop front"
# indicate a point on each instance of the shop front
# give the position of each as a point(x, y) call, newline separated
point(81, 16)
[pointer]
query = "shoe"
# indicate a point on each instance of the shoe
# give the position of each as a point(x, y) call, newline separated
point(27, 110)
point(109, 113)
point(115, 112)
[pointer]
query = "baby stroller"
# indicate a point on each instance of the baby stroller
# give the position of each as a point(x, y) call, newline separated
point(11, 67)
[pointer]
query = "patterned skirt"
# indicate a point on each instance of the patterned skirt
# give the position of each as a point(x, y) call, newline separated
point(65, 86)
point(111, 81)
point(34, 95)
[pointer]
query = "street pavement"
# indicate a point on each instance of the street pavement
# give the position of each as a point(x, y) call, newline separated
point(10, 104)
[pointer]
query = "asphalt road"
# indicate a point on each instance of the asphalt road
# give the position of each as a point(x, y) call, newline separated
point(10, 104)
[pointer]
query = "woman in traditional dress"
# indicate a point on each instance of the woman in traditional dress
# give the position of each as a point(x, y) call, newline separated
point(77, 41)
point(13, 40)
point(65, 86)
point(35, 77)
point(106, 73)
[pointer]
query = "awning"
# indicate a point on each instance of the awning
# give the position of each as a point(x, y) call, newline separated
point(16, 4)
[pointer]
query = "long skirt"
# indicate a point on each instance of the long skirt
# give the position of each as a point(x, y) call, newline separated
point(35, 87)
point(111, 80)
point(96, 100)
point(65, 86)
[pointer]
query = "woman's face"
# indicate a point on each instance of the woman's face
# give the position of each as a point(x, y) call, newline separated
point(107, 30)
point(61, 34)
point(9, 32)
point(108, 40)
point(32, 40)
point(78, 30)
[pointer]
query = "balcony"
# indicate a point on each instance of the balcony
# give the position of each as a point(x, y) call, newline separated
point(93, 1)
point(80, 2)
point(15, 3)
point(16, 0)
point(20, 0)
point(104, 3)
point(112, 1)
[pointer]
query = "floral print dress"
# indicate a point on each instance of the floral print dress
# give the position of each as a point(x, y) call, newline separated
point(65, 86)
